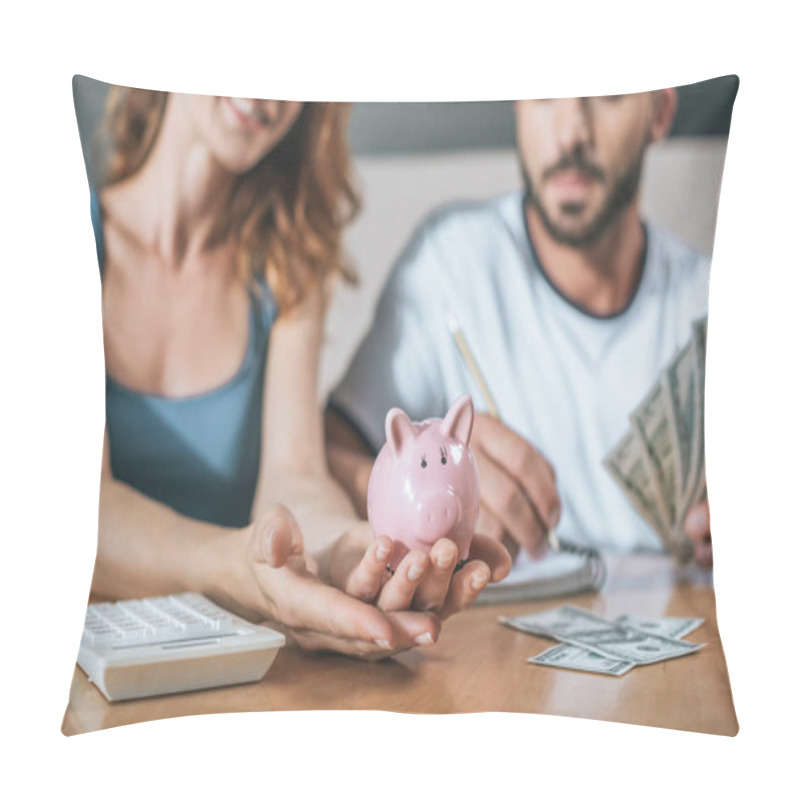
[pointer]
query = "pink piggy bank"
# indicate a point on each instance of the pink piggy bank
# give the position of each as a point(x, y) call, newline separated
point(424, 483)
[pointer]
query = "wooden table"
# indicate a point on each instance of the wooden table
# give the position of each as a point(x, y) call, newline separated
point(480, 665)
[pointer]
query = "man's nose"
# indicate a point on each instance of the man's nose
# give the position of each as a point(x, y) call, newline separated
point(574, 123)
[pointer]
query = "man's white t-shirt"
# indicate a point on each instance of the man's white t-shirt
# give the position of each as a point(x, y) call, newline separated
point(565, 380)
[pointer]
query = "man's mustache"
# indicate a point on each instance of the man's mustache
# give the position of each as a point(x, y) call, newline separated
point(575, 161)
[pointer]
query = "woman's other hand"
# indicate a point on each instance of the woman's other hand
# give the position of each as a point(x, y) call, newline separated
point(271, 579)
point(423, 582)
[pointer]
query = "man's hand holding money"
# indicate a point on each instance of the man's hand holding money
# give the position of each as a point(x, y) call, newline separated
point(698, 529)
point(660, 462)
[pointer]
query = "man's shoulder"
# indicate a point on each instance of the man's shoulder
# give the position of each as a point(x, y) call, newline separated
point(678, 272)
point(462, 233)
point(489, 210)
point(475, 219)
point(673, 252)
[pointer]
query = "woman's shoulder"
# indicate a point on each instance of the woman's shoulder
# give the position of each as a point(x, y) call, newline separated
point(102, 223)
point(105, 212)
point(96, 211)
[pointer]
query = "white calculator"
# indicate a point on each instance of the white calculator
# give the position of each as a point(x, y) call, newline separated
point(177, 643)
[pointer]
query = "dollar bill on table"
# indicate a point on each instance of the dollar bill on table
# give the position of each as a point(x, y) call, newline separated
point(672, 627)
point(660, 461)
point(571, 657)
point(615, 641)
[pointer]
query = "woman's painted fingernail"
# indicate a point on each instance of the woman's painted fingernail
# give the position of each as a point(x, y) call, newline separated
point(424, 639)
point(479, 581)
point(415, 572)
point(382, 552)
point(444, 560)
point(383, 643)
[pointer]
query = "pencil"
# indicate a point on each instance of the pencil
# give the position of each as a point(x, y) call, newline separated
point(472, 366)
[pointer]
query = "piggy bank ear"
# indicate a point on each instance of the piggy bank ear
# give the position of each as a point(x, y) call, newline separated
point(399, 431)
point(457, 423)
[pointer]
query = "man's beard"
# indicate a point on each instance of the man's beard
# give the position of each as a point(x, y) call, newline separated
point(619, 198)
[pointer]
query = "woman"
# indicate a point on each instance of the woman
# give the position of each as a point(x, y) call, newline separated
point(219, 234)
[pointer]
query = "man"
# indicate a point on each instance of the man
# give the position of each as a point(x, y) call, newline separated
point(571, 305)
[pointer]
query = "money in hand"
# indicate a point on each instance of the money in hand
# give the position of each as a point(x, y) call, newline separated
point(660, 461)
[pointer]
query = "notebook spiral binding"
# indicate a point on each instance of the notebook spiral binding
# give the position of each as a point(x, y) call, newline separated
point(592, 555)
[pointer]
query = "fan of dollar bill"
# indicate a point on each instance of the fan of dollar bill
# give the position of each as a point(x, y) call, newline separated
point(660, 461)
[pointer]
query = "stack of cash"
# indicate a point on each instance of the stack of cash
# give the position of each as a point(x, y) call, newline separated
point(591, 644)
point(660, 462)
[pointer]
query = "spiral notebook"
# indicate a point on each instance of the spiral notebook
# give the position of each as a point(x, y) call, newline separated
point(571, 570)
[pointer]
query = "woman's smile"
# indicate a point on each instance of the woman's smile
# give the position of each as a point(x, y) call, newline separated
point(248, 113)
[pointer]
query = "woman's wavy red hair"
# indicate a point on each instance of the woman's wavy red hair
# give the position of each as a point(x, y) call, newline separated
point(286, 214)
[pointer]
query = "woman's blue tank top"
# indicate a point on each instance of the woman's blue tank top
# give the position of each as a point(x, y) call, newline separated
point(200, 454)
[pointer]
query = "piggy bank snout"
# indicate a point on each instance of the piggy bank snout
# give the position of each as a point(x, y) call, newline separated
point(440, 512)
